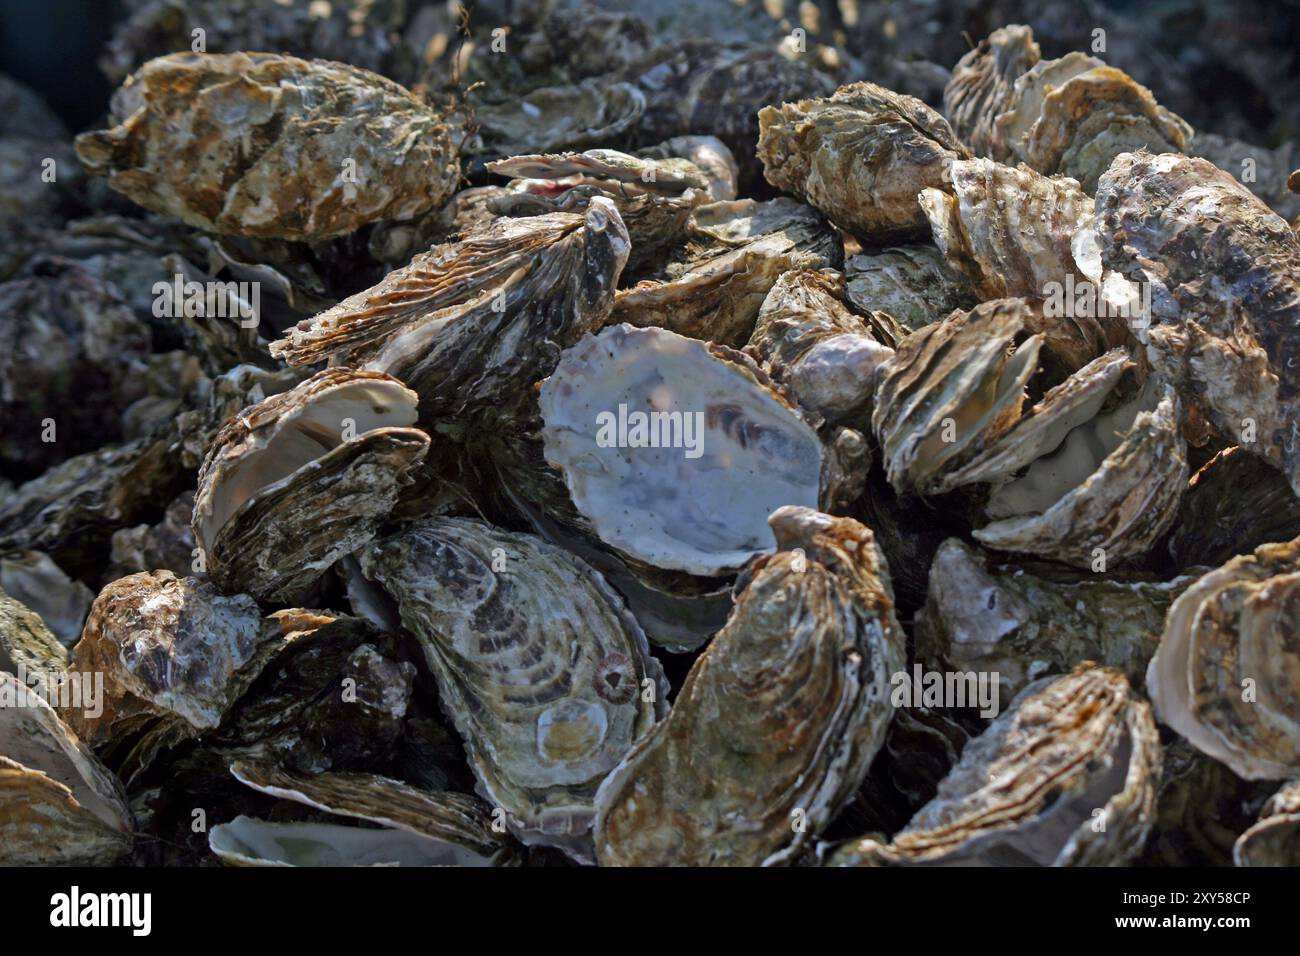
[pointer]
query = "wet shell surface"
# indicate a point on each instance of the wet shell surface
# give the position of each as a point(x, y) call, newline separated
point(338, 146)
point(914, 284)
point(1275, 839)
point(1071, 752)
point(779, 718)
point(547, 677)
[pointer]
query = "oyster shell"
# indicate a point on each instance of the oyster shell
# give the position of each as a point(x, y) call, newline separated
point(544, 715)
point(26, 644)
point(304, 478)
point(983, 86)
point(779, 718)
point(58, 804)
point(548, 120)
point(1022, 625)
point(1225, 675)
point(1066, 777)
point(914, 284)
point(61, 602)
point(662, 490)
point(409, 827)
point(1275, 839)
point(1170, 221)
point(338, 146)
point(860, 156)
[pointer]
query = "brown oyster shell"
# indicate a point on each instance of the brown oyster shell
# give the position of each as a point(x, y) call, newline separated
point(1275, 839)
point(778, 719)
point(982, 87)
point(860, 156)
point(544, 715)
point(1225, 344)
point(1066, 777)
point(58, 803)
point(304, 478)
point(183, 119)
point(1225, 675)
point(27, 646)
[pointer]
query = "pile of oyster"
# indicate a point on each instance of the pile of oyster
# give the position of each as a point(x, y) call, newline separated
point(542, 439)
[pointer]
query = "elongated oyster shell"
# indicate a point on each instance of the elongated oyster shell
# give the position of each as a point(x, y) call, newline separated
point(338, 146)
point(809, 342)
point(303, 478)
point(414, 827)
point(1022, 625)
point(742, 247)
point(950, 390)
point(915, 284)
point(58, 803)
point(1225, 674)
point(654, 432)
point(546, 676)
point(1170, 221)
point(778, 719)
point(861, 156)
point(1066, 777)
point(26, 644)
point(982, 87)
point(529, 287)
point(1275, 839)
point(174, 656)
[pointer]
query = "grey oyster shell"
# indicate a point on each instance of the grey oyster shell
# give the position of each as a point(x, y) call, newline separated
point(1021, 624)
point(1225, 674)
point(714, 290)
point(529, 286)
point(339, 146)
point(557, 118)
point(58, 804)
point(546, 676)
point(1066, 777)
point(1170, 221)
point(1275, 839)
point(62, 602)
point(303, 478)
point(661, 488)
point(860, 156)
point(409, 826)
point(915, 284)
point(779, 718)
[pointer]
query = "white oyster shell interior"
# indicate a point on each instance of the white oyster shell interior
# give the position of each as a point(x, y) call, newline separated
point(251, 842)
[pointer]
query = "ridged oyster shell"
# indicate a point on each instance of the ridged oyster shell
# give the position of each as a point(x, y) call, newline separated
point(983, 85)
point(1066, 777)
point(1275, 839)
point(185, 119)
point(664, 493)
point(546, 676)
point(303, 478)
point(58, 804)
point(778, 719)
point(860, 156)
point(1225, 675)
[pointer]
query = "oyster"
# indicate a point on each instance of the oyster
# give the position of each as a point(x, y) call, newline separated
point(1225, 675)
point(860, 156)
point(556, 118)
point(914, 284)
point(338, 146)
point(167, 545)
point(1022, 624)
point(304, 478)
point(408, 826)
point(1066, 777)
point(779, 718)
point(61, 602)
point(1275, 839)
point(983, 86)
point(546, 676)
point(58, 804)
point(1266, 171)
point(1225, 344)
point(529, 286)
point(26, 644)
point(654, 432)
point(740, 249)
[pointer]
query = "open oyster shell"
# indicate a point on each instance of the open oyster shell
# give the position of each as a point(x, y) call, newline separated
point(860, 156)
point(1224, 675)
point(1169, 221)
point(654, 432)
point(1022, 625)
point(410, 827)
point(546, 676)
point(58, 804)
point(303, 478)
point(1275, 839)
point(778, 719)
point(1066, 777)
